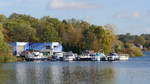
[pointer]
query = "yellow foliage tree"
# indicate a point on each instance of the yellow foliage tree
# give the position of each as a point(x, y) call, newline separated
point(5, 53)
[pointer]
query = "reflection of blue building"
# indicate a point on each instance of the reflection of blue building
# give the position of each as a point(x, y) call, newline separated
point(18, 47)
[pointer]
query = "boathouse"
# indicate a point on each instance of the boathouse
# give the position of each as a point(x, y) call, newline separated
point(18, 47)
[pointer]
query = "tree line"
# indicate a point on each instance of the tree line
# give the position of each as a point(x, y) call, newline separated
point(142, 40)
point(75, 35)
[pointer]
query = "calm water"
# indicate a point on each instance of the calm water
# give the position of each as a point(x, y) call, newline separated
point(134, 71)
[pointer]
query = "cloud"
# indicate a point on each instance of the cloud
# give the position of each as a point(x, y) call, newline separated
point(127, 15)
point(64, 4)
point(136, 14)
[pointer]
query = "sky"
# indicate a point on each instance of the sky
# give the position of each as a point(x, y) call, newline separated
point(128, 16)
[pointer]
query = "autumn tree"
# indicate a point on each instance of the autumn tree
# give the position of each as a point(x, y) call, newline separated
point(5, 52)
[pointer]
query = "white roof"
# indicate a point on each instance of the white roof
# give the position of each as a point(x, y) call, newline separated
point(21, 43)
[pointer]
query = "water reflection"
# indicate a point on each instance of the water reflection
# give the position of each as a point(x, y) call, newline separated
point(83, 75)
point(56, 73)
point(3, 76)
point(21, 76)
point(134, 71)
point(31, 74)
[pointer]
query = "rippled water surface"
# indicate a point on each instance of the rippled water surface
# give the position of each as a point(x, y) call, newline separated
point(134, 71)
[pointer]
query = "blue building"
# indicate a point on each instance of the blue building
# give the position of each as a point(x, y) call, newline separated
point(19, 47)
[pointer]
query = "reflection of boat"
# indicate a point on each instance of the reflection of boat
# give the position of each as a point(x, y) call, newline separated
point(112, 57)
point(69, 56)
point(123, 57)
point(31, 56)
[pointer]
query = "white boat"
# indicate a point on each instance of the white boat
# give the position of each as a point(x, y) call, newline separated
point(98, 57)
point(112, 57)
point(31, 56)
point(69, 56)
point(57, 56)
point(123, 57)
point(85, 57)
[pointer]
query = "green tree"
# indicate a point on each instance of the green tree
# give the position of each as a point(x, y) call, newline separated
point(71, 38)
point(24, 18)
point(105, 37)
point(5, 53)
point(3, 18)
point(46, 32)
point(20, 32)
point(139, 40)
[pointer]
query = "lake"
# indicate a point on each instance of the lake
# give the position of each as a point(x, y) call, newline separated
point(134, 71)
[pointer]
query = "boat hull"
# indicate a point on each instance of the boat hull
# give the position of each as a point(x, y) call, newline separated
point(33, 59)
point(124, 58)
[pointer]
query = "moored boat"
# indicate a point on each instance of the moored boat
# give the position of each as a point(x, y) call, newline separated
point(57, 56)
point(123, 57)
point(85, 57)
point(69, 56)
point(98, 57)
point(113, 57)
point(35, 55)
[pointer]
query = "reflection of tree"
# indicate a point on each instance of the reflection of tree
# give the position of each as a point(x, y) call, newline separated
point(57, 74)
point(33, 73)
point(66, 75)
point(103, 76)
point(4, 75)
point(87, 75)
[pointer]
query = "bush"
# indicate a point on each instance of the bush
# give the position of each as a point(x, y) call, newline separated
point(136, 51)
point(131, 49)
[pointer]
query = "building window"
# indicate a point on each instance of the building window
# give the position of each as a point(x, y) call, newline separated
point(48, 47)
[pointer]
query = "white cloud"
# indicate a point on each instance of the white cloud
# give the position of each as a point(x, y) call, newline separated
point(136, 14)
point(127, 15)
point(64, 4)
